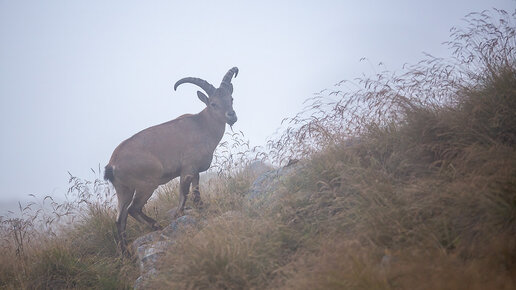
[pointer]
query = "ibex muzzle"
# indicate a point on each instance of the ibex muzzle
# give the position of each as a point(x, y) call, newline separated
point(182, 147)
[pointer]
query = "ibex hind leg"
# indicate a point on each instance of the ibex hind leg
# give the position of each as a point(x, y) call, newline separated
point(125, 196)
point(136, 208)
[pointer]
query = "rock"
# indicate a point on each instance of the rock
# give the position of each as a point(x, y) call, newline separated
point(151, 247)
point(145, 239)
point(258, 167)
point(149, 254)
point(141, 282)
point(177, 226)
point(268, 182)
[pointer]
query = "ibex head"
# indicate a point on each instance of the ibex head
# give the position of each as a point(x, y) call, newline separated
point(219, 100)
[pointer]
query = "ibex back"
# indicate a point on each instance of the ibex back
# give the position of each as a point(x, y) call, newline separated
point(182, 147)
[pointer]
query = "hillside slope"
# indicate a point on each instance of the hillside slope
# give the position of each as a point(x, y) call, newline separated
point(414, 190)
point(406, 183)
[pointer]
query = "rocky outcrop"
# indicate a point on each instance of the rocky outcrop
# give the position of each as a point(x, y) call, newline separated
point(268, 183)
point(153, 246)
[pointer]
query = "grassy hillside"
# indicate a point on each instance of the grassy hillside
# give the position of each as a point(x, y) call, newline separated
point(408, 182)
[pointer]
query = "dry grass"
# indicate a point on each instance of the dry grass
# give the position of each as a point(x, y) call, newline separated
point(230, 252)
point(346, 264)
point(408, 181)
point(63, 245)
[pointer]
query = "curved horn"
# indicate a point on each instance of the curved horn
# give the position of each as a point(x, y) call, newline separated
point(226, 81)
point(229, 75)
point(206, 86)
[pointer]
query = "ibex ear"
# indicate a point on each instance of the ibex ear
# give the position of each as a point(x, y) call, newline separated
point(203, 97)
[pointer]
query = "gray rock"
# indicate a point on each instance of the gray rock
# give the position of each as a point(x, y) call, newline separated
point(149, 254)
point(178, 226)
point(151, 247)
point(145, 239)
point(268, 182)
point(258, 167)
point(141, 282)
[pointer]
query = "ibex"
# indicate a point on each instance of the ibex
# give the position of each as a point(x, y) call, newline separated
point(182, 147)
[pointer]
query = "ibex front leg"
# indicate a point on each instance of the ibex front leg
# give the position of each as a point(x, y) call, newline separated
point(195, 190)
point(184, 188)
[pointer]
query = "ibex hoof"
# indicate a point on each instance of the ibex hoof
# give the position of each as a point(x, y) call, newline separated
point(197, 201)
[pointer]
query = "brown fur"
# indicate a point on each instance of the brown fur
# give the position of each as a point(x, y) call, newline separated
point(181, 148)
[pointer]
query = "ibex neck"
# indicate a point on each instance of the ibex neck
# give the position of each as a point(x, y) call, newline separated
point(214, 126)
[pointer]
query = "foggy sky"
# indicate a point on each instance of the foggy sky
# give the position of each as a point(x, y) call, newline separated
point(79, 77)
